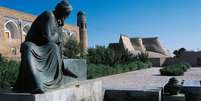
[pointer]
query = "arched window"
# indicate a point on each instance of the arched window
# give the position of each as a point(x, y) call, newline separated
point(11, 30)
point(25, 29)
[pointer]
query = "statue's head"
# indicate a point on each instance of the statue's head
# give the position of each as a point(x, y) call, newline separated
point(63, 10)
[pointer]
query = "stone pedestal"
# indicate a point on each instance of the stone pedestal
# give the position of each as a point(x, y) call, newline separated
point(192, 97)
point(179, 97)
point(133, 95)
point(192, 90)
point(84, 91)
point(77, 66)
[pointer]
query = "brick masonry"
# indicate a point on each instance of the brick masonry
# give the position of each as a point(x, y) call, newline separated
point(5, 45)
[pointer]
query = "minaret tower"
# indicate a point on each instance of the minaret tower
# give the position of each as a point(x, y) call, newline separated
point(81, 23)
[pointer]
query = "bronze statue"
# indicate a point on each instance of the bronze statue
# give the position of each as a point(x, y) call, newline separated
point(42, 67)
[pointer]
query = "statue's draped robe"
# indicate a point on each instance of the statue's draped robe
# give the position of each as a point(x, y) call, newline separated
point(41, 64)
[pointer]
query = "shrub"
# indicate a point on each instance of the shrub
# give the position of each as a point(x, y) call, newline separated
point(99, 70)
point(143, 65)
point(72, 48)
point(125, 57)
point(104, 61)
point(107, 56)
point(171, 71)
point(175, 69)
point(2, 59)
point(143, 56)
point(8, 73)
point(186, 65)
point(96, 55)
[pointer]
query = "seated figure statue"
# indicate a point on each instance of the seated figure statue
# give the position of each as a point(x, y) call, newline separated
point(42, 66)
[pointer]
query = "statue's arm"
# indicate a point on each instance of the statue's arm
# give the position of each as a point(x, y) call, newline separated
point(49, 32)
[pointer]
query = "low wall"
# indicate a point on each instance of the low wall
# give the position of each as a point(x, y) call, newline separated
point(158, 62)
point(83, 91)
point(192, 61)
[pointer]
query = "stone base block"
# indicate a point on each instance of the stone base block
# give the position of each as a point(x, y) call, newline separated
point(132, 95)
point(192, 97)
point(192, 90)
point(84, 91)
point(77, 66)
point(179, 97)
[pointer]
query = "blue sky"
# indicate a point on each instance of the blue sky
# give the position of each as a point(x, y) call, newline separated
point(176, 22)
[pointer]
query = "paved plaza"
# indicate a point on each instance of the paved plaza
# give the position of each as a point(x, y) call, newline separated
point(145, 79)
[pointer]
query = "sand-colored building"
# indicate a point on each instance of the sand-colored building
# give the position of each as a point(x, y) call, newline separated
point(157, 53)
point(14, 26)
point(152, 45)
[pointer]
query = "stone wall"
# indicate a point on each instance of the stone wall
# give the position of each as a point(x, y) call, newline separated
point(125, 41)
point(154, 45)
point(21, 18)
point(82, 91)
point(192, 58)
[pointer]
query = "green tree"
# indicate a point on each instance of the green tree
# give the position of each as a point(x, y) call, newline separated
point(1, 58)
point(8, 72)
point(72, 48)
point(179, 52)
point(107, 56)
point(143, 56)
point(182, 50)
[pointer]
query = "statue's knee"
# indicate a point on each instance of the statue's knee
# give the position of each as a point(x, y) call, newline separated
point(26, 47)
point(54, 46)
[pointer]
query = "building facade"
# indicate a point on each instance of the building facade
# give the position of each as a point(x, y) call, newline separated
point(151, 45)
point(14, 26)
point(157, 53)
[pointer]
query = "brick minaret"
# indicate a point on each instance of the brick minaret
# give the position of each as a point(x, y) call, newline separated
point(81, 23)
